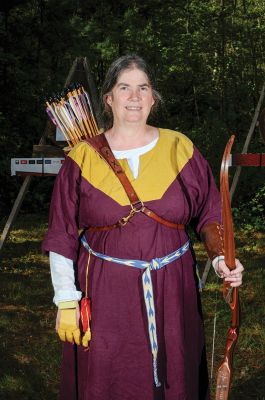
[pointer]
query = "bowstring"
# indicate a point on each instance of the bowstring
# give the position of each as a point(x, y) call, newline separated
point(214, 336)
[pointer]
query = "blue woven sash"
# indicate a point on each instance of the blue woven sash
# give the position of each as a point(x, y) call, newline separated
point(147, 266)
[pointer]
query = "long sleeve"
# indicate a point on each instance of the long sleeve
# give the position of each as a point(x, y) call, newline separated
point(205, 209)
point(62, 238)
point(208, 207)
point(209, 215)
point(62, 235)
point(63, 280)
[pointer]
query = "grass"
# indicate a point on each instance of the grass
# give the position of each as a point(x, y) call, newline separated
point(249, 354)
point(30, 351)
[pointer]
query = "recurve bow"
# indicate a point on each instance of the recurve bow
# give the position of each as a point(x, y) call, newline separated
point(231, 296)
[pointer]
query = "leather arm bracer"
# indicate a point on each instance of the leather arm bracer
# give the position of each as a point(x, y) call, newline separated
point(212, 237)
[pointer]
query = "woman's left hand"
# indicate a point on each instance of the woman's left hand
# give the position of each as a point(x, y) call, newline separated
point(234, 277)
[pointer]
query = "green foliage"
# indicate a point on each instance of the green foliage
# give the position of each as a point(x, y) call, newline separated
point(251, 216)
point(208, 58)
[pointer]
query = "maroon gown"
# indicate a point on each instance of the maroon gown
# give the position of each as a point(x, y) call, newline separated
point(118, 365)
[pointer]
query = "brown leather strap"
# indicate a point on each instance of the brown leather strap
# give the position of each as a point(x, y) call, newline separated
point(123, 221)
point(101, 145)
point(161, 220)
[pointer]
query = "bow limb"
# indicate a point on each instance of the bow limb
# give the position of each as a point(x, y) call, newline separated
point(225, 371)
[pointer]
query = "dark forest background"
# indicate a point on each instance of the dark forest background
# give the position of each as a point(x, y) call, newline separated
point(208, 57)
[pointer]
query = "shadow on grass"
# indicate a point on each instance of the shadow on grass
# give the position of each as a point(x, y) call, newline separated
point(30, 352)
point(30, 289)
point(250, 389)
point(22, 248)
point(22, 379)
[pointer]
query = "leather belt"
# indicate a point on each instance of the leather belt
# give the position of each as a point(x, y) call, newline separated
point(123, 221)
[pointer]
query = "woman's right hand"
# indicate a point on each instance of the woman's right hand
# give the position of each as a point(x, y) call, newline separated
point(67, 324)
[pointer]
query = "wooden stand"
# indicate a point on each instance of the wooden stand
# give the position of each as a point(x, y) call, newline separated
point(79, 73)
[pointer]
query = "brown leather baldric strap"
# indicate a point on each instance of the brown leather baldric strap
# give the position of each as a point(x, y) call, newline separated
point(100, 144)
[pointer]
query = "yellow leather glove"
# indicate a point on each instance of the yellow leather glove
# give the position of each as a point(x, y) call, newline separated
point(67, 322)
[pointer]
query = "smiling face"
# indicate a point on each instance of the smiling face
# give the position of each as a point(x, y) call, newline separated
point(131, 98)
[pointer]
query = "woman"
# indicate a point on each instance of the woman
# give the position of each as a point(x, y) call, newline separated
point(147, 329)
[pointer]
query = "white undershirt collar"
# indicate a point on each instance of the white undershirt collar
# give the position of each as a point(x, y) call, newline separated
point(133, 155)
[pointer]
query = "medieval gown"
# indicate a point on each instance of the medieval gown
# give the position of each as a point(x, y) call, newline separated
point(176, 183)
